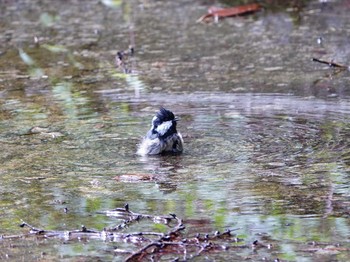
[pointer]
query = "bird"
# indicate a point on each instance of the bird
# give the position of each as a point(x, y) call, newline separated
point(163, 136)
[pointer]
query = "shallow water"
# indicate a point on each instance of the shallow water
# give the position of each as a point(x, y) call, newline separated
point(266, 131)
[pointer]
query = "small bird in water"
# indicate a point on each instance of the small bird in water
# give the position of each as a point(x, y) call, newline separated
point(163, 136)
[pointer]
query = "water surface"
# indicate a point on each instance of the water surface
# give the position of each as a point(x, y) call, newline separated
point(266, 131)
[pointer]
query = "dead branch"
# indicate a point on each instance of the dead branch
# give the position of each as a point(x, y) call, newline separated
point(330, 63)
point(130, 217)
point(152, 243)
point(160, 243)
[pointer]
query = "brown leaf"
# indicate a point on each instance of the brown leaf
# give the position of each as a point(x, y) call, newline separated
point(216, 13)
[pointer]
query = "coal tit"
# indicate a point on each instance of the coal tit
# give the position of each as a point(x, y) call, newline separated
point(163, 136)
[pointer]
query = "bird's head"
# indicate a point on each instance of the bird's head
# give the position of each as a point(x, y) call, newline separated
point(164, 123)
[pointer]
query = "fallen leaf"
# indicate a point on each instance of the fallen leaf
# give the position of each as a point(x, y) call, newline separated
point(216, 13)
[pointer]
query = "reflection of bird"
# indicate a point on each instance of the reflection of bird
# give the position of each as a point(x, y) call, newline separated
point(162, 137)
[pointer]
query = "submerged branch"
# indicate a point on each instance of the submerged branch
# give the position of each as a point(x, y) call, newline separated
point(152, 243)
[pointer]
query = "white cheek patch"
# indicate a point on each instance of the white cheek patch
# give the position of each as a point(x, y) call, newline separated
point(164, 127)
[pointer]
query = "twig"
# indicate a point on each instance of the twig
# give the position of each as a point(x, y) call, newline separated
point(131, 217)
point(141, 252)
point(331, 64)
point(204, 248)
point(160, 243)
point(152, 243)
point(33, 229)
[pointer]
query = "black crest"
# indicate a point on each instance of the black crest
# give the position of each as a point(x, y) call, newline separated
point(165, 115)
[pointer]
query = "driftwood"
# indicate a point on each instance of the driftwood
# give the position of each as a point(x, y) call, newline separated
point(154, 245)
